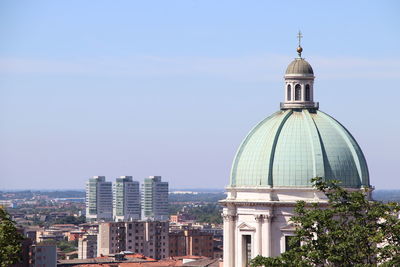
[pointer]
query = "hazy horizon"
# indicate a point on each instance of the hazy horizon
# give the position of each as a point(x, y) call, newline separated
point(200, 190)
point(171, 88)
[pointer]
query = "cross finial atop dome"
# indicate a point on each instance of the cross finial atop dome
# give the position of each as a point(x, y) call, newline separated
point(299, 48)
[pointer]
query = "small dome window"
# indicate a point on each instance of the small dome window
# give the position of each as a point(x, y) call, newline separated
point(308, 93)
point(297, 92)
point(289, 92)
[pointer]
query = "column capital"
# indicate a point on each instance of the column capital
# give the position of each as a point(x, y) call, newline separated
point(259, 217)
point(228, 217)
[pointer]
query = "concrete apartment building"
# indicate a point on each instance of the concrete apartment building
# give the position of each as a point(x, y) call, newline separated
point(111, 238)
point(149, 238)
point(126, 199)
point(191, 243)
point(155, 199)
point(43, 255)
point(87, 246)
point(99, 199)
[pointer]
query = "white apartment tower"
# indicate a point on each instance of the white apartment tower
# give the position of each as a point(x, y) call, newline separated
point(98, 199)
point(126, 201)
point(155, 199)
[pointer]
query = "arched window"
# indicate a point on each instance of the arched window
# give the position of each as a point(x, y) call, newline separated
point(297, 92)
point(308, 93)
point(289, 92)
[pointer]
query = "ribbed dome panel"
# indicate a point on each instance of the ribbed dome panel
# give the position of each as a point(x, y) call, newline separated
point(299, 66)
point(291, 147)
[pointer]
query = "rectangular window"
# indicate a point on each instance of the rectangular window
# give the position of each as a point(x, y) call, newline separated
point(288, 243)
point(247, 249)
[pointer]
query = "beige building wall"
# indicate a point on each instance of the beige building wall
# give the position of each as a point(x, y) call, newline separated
point(87, 246)
point(149, 238)
point(111, 238)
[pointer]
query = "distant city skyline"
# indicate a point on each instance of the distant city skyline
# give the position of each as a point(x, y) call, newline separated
point(171, 89)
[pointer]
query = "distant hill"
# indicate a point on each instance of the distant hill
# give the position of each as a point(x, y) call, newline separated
point(204, 195)
point(386, 195)
point(199, 190)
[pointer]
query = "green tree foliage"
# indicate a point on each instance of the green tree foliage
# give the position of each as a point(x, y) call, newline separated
point(210, 213)
point(175, 208)
point(71, 220)
point(10, 240)
point(205, 213)
point(67, 246)
point(349, 231)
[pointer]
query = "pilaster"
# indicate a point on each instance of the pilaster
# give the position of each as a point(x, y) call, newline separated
point(229, 239)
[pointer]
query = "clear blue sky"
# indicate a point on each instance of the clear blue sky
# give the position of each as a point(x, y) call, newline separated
point(172, 87)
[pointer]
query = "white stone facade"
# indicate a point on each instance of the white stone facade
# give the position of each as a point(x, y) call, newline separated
point(257, 221)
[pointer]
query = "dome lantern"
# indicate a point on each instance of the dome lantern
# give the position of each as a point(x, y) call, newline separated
point(299, 83)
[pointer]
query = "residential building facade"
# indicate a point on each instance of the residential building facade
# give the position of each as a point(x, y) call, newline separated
point(155, 199)
point(191, 242)
point(126, 199)
point(149, 238)
point(87, 246)
point(43, 255)
point(99, 199)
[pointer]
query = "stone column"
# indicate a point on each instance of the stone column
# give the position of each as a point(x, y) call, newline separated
point(312, 91)
point(292, 92)
point(229, 240)
point(258, 236)
point(267, 237)
point(269, 233)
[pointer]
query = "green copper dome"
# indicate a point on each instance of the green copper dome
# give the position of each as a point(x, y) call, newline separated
point(292, 146)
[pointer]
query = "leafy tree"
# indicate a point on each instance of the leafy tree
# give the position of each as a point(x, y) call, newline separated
point(10, 240)
point(71, 220)
point(205, 213)
point(349, 231)
point(67, 246)
point(209, 213)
